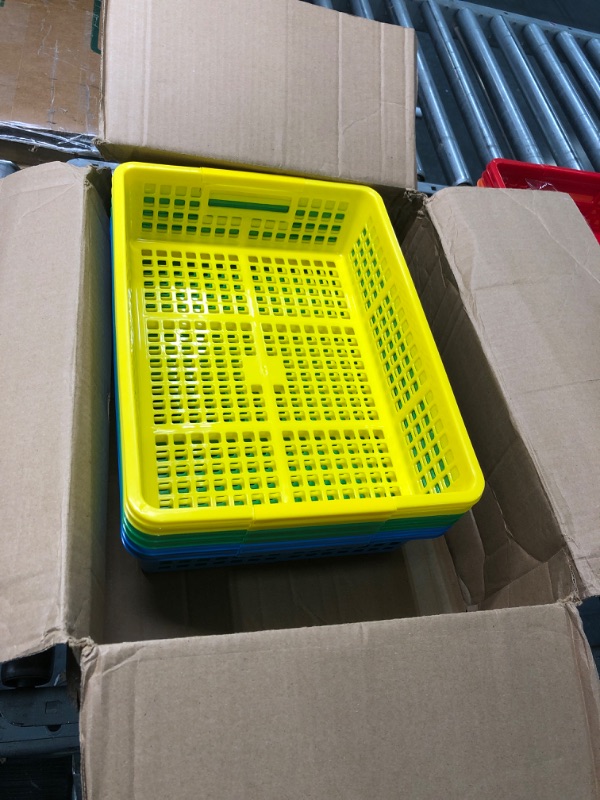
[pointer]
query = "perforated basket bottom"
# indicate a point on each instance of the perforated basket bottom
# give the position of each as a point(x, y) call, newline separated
point(261, 383)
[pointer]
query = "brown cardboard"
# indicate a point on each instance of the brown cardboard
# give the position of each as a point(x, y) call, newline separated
point(491, 704)
point(207, 684)
point(278, 85)
point(55, 367)
point(510, 281)
point(486, 705)
point(49, 64)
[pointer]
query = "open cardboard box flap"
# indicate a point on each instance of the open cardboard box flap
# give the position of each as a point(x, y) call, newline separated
point(499, 703)
point(270, 84)
point(487, 705)
point(513, 299)
point(55, 367)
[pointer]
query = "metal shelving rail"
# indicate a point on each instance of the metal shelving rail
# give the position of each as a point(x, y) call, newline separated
point(493, 84)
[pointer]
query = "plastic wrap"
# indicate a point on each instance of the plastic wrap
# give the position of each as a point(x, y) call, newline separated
point(33, 138)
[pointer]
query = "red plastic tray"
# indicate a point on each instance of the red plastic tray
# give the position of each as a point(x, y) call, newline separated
point(584, 187)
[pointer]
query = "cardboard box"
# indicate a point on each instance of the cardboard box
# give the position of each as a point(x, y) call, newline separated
point(55, 367)
point(513, 300)
point(207, 684)
point(278, 85)
point(49, 74)
point(496, 704)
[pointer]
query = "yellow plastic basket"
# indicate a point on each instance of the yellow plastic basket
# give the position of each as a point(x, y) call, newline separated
point(274, 365)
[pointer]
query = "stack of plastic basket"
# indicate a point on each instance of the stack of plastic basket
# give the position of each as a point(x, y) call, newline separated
point(280, 394)
point(584, 187)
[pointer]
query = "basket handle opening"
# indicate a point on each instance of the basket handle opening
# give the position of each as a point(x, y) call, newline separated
point(249, 205)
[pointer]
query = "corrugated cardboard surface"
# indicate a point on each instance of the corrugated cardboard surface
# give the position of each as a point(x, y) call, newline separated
point(49, 64)
point(55, 367)
point(510, 281)
point(273, 84)
point(484, 705)
point(490, 705)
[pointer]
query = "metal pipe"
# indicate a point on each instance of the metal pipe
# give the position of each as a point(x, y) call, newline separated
point(323, 3)
point(580, 66)
point(420, 170)
point(551, 126)
point(7, 168)
point(567, 94)
point(475, 119)
point(435, 117)
point(506, 108)
point(362, 8)
point(593, 51)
